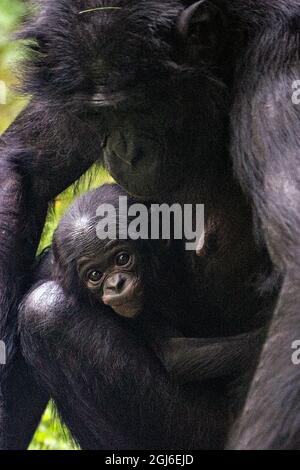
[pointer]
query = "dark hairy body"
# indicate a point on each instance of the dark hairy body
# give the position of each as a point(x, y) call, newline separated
point(167, 99)
point(135, 282)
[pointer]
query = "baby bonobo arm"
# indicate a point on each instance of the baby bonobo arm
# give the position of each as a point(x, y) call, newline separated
point(199, 359)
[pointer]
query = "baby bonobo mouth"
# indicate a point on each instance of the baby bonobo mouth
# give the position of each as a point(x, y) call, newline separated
point(121, 294)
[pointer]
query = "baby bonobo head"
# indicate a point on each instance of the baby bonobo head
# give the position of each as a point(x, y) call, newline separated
point(99, 262)
point(113, 277)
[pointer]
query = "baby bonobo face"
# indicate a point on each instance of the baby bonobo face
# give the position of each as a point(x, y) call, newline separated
point(113, 276)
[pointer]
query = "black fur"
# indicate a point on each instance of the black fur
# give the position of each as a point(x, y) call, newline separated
point(171, 107)
point(73, 303)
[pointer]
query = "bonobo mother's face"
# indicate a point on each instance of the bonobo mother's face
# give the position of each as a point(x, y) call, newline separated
point(160, 115)
point(112, 275)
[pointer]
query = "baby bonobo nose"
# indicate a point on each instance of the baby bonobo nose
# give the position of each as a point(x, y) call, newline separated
point(115, 284)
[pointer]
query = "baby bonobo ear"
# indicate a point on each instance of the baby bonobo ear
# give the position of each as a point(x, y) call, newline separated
point(201, 25)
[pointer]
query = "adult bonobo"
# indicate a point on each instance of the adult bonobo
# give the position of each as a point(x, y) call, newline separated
point(96, 269)
point(150, 88)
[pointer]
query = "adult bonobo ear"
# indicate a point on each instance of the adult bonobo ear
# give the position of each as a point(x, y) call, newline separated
point(190, 15)
point(200, 27)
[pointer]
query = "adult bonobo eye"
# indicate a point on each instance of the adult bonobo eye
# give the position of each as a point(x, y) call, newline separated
point(94, 276)
point(123, 259)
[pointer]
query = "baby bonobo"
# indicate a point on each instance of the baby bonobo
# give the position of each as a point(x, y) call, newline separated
point(97, 259)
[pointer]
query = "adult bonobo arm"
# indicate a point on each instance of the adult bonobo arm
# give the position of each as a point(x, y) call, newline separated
point(47, 148)
point(266, 153)
point(110, 389)
point(30, 159)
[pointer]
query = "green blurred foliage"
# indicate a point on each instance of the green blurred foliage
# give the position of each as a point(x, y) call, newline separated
point(11, 11)
point(50, 434)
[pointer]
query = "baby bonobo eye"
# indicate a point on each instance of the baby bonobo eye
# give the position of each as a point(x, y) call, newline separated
point(94, 276)
point(123, 259)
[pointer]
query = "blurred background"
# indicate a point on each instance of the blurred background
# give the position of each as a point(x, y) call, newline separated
point(50, 434)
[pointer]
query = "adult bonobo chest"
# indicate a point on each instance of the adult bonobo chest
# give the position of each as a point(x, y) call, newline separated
point(231, 276)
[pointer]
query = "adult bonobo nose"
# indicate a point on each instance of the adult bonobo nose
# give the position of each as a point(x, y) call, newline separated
point(136, 161)
point(115, 284)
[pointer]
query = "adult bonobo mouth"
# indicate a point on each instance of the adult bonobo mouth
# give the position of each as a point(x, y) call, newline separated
point(140, 165)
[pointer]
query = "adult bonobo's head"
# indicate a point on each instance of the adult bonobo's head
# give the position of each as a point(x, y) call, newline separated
point(170, 120)
point(149, 73)
point(95, 259)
